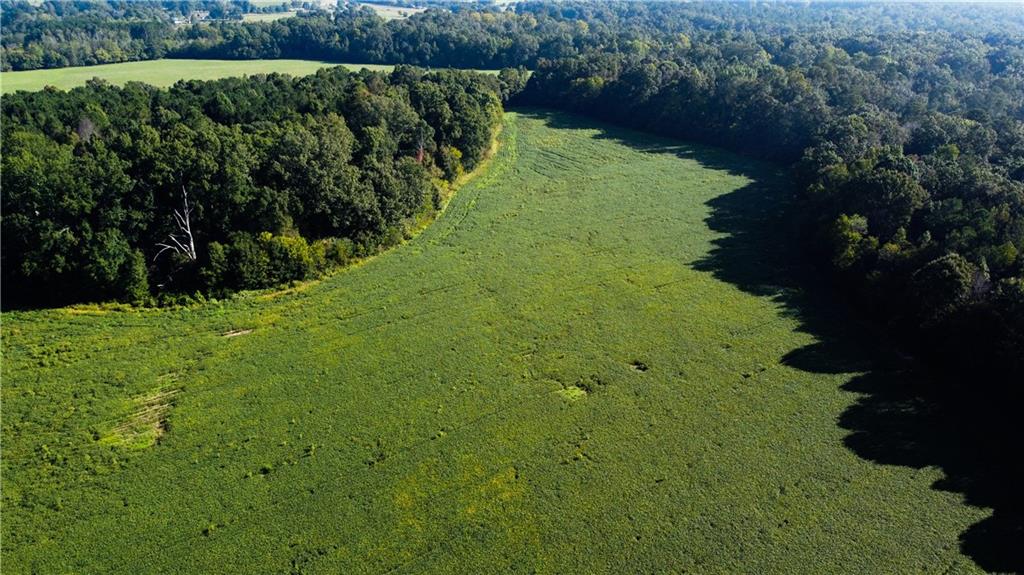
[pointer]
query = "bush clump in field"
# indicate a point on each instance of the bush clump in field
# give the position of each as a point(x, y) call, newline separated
point(266, 260)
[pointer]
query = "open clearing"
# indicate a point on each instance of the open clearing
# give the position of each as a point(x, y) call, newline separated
point(393, 12)
point(268, 17)
point(591, 363)
point(163, 72)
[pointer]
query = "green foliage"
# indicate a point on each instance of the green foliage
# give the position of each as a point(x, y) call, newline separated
point(850, 241)
point(513, 390)
point(98, 175)
point(451, 163)
point(267, 260)
point(57, 34)
point(134, 279)
point(889, 198)
point(249, 263)
point(513, 81)
point(908, 146)
point(943, 286)
point(289, 258)
point(335, 252)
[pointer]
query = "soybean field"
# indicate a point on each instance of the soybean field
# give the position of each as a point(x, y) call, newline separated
point(597, 360)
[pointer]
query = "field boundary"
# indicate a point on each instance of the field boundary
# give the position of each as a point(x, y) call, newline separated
point(413, 232)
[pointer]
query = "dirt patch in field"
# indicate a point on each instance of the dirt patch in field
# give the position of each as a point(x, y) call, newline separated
point(236, 332)
point(148, 423)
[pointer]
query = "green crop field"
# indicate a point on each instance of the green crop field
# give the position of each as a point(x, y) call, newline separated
point(162, 72)
point(596, 361)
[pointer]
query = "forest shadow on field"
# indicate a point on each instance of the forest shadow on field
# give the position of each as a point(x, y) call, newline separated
point(900, 417)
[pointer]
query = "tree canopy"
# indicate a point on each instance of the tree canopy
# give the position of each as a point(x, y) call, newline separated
point(286, 176)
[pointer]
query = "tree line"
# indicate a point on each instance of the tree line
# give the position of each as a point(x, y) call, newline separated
point(137, 192)
point(908, 149)
point(470, 35)
point(58, 34)
point(63, 33)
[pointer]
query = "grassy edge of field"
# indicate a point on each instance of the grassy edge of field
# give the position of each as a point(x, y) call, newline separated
point(416, 226)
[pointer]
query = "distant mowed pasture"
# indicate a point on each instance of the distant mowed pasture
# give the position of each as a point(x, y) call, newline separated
point(268, 16)
point(393, 12)
point(595, 361)
point(162, 72)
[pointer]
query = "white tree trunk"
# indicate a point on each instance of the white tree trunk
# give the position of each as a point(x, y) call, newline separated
point(181, 242)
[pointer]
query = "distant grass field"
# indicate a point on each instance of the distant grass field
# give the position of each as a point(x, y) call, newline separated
point(166, 72)
point(593, 362)
point(162, 72)
point(393, 12)
point(268, 17)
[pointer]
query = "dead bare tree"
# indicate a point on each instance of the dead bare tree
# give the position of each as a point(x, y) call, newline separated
point(180, 242)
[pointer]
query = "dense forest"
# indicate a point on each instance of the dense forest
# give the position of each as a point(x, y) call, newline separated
point(468, 35)
point(122, 193)
point(58, 34)
point(83, 33)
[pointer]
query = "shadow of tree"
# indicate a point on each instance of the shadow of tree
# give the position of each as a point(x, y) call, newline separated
point(902, 417)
